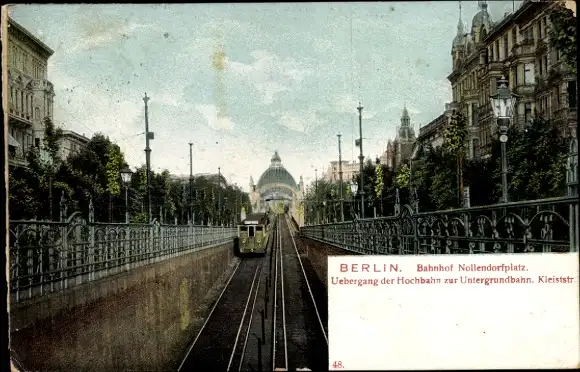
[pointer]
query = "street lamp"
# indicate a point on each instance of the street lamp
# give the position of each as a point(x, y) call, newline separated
point(503, 103)
point(353, 189)
point(126, 174)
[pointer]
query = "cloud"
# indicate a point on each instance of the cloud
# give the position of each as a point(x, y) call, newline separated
point(97, 34)
point(270, 74)
point(213, 119)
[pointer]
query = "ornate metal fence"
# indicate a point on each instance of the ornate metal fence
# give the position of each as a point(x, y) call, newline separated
point(531, 226)
point(49, 256)
point(547, 225)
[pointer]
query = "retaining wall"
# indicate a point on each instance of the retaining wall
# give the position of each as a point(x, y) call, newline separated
point(142, 319)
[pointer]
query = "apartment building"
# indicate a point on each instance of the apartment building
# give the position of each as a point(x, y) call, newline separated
point(30, 94)
point(517, 47)
point(72, 143)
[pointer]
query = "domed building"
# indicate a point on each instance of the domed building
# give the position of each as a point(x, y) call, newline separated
point(275, 187)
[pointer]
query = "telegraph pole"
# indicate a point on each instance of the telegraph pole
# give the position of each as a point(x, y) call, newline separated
point(148, 136)
point(316, 195)
point(340, 179)
point(219, 195)
point(361, 159)
point(191, 182)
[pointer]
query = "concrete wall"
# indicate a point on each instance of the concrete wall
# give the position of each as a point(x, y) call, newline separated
point(318, 253)
point(140, 320)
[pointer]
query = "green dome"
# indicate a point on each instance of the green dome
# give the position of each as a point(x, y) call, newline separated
point(276, 174)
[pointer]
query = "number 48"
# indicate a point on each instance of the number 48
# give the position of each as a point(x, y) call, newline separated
point(337, 364)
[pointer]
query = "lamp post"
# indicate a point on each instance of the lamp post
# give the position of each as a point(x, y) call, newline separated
point(353, 189)
point(502, 104)
point(361, 159)
point(324, 219)
point(126, 174)
point(340, 179)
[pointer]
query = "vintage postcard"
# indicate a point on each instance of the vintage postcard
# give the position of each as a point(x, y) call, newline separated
point(291, 186)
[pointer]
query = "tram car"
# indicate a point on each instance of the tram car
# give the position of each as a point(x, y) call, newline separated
point(253, 233)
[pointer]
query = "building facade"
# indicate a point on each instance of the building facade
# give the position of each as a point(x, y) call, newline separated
point(275, 186)
point(433, 134)
point(72, 143)
point(517, 47)
point(349, 171)
point(30, 93)
point(399, 150)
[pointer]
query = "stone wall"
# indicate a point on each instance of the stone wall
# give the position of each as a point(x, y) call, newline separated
point(317, 254)
point(143, 319)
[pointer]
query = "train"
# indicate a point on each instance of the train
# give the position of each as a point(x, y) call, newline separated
point(253, 234)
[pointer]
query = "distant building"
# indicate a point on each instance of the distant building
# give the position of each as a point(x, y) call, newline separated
point(30, 94)
point(349, 170)
point(399, 150)
point(72, 143)
point(432, 134)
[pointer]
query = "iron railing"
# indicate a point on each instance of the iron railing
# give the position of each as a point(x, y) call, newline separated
point(47, 257)
point(546, 225)
point(531, 226)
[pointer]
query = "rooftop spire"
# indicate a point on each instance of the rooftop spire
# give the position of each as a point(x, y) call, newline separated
point(460, 22)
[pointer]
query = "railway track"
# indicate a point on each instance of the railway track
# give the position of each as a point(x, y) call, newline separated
point(299, 331)
point(222, 338)
point(267, 317)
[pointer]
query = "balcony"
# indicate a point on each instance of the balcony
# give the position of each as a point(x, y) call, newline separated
point(526, 47)
point(19, 120)
point(16, 154)
point(525, 90)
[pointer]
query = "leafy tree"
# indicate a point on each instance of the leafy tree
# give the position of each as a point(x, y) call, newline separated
point(563, 33)
point(455, 135)
point(536, 160)
point(403, 176)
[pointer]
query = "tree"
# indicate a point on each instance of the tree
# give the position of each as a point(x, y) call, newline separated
point(563, 33)
point(115, 162)
point(455, 136)
point(541, 175)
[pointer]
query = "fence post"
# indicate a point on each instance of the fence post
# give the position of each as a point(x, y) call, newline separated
point(572, 190)
point(63, 251)
point(91, 247)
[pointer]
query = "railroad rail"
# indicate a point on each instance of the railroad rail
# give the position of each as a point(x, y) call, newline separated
point(267, 316)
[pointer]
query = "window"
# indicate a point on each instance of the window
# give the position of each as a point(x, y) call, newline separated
point(514, 37)
point(505, 47)
point(528, 113)
point(515, 73)
point(21, 103)
point(474, 114)
point(37, 142)
point(529, 73)
point(493, 86)
point(490, 53)
point(251, 231)
point(37, 113)
point(572, 97)
point(475, 147)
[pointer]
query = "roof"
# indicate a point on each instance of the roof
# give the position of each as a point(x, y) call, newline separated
point(254, 217)
point(80, 137)
point(16, 25)
point(277, 174)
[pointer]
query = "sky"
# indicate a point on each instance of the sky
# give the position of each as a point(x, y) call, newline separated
point(241, 81)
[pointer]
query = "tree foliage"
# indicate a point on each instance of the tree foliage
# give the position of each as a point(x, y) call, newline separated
point(563, 33)
point(94, 173)
point(455, 138)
